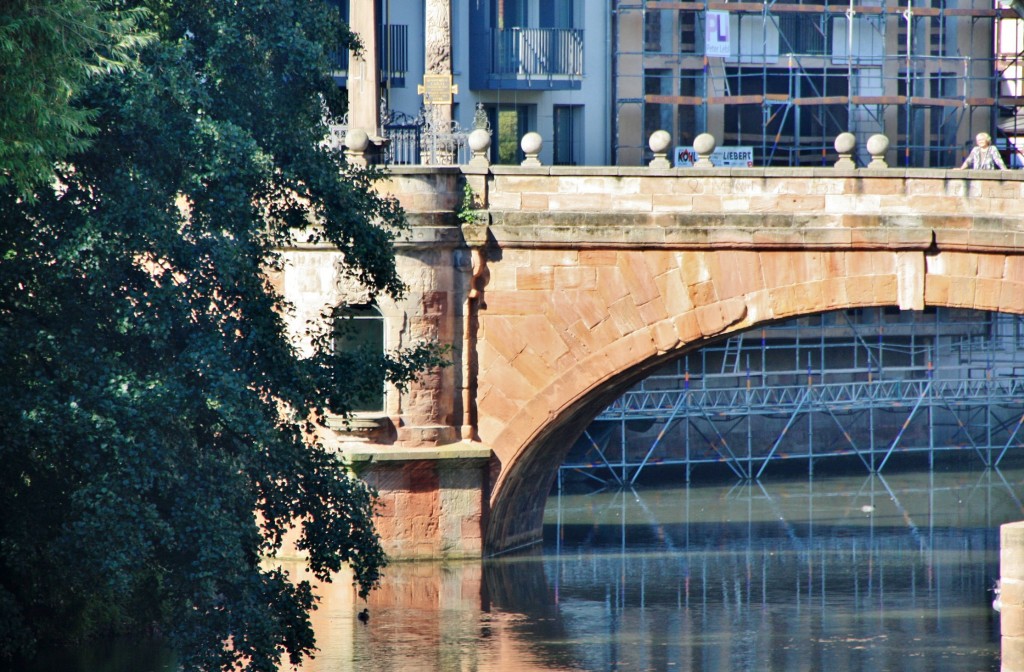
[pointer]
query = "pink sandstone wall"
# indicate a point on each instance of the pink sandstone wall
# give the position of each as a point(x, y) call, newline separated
point(596, 280)
point(594, 276)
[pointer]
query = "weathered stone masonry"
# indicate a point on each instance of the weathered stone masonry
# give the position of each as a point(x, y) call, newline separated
point(591, 277)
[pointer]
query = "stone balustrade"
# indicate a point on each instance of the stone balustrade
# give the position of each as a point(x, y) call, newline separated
point(356, 145)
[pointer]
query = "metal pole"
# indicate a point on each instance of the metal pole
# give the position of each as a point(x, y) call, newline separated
point(908, 14)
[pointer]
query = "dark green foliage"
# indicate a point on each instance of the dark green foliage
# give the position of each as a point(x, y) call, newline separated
point(153, 406)
point(49, 52)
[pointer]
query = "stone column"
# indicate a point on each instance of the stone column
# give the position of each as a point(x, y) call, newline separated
point(1010, 597)
point(438, 59)
point(363, 80)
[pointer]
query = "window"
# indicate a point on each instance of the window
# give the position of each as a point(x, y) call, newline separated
point(509, 123)
point(568, 140)
point(556, 14)
point(509, 14)
point(359, 331)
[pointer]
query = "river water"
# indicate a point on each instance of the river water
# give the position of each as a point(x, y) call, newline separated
point(851, 573)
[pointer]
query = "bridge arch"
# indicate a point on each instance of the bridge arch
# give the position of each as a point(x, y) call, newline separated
point(561, 286)
point(565, 333)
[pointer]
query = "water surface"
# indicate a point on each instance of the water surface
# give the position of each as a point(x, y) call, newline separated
point(861, 573)
point(854, 573)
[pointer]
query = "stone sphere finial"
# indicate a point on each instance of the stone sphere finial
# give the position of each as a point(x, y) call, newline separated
point(479, 143)
point(845, 144)
point(356, 142)
point(704, 144)
point(878, 145)
point(531, 144)
point(659, 143)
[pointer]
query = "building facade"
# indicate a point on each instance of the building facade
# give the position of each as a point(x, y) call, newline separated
point(781, 79)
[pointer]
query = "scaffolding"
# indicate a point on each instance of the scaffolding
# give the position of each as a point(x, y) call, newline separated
point(798, 74)
point(865, 384)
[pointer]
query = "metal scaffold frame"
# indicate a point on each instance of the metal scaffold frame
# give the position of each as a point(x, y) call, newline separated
point(800, 73)
point(866, 386)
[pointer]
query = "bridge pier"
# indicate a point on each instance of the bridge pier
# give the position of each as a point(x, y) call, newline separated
point(1011, 596)
point(433, 501)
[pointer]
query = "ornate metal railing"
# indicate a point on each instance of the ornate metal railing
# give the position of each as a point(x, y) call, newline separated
point(422, 140)
point(537, 52)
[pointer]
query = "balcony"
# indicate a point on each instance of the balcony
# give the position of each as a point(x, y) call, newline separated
point(533, 58)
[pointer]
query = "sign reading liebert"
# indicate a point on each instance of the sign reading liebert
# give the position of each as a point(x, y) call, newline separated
point(723, 157)
point(437, 89)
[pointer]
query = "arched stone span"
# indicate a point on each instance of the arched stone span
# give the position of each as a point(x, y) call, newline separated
point(557, 351)
point(569, 283)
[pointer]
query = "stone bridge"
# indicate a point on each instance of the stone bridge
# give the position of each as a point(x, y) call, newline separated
point(564, 286)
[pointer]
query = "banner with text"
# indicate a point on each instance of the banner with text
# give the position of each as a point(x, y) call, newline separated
point(723, 157)
point(716, 34)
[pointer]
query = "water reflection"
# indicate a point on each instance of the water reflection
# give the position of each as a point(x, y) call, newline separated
point(843, 574)
point(839, 574)
point(890, 574)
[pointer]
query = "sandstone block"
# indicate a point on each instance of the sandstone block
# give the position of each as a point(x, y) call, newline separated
point(936, 290)
point(535, 278)
point(672, 203)
point(637, 277)
point(531, 201)
point(987, 293)
point(665, 336)
point(625, 316)
point(882, 186)
point(632, 203)
point(653, 311)
point(737, 273)
point(703, 294)
point(611, 286)
point(581, 202)
point(688, 327)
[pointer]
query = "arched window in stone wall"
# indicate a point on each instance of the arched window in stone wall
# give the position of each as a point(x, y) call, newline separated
point(359, 336)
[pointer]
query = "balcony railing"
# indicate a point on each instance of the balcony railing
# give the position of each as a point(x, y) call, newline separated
point(540, 53)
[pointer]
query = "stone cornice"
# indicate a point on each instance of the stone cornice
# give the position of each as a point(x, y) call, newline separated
point(596, 230)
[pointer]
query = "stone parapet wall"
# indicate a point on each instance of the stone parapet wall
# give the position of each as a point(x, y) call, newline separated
point(721, 207)
point(756, 207)
point(424, 189)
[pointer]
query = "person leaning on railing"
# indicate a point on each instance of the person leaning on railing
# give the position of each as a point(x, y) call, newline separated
point(983, 156)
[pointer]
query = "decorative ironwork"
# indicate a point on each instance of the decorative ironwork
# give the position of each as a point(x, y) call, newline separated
point(480, 119)
point(402, 134)
point(337, 127)
point(422, 140)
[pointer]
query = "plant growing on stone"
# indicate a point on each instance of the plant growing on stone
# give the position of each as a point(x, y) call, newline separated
point(467, 212)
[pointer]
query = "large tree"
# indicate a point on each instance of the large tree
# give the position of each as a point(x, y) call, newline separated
point(49, 52)
point(158, 427)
